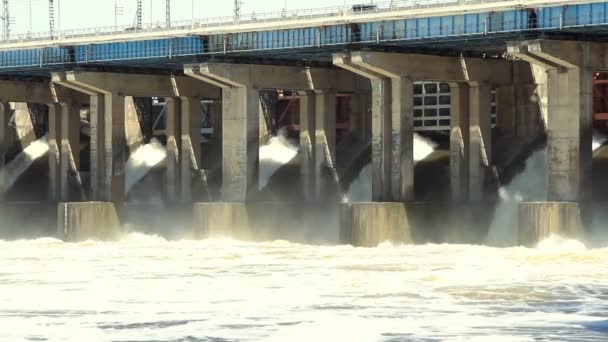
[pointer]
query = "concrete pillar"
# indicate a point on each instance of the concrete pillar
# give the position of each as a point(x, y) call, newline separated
point(241, 110)
point(381, 128)
point(308, 144)
point(506, 119)
point(402, 144)
point(113, 181)
point(70, 147)
point(459, 141)
point(174, 138)
point(216, 118)
point(4, 139)
point(55, 115)
point(325, 140)
point(528, 118)
point(96, 118)
point(190, 146)
point(24, 125)
point(480, 109)
point(133, 132)
point(569, 147)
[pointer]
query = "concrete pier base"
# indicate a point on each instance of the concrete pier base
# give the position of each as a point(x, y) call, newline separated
point(369, 224)
point(540, 220)
point(87, 220)
point(253, 221)
point(213, 220)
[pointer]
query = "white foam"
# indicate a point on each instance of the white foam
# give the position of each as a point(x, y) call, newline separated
point(276, 153)
point(13, 170)
point(142, 161)
point(361, 188)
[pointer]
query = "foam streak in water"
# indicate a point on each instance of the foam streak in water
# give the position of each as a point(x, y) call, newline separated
point(13, 170)
point(142, 161)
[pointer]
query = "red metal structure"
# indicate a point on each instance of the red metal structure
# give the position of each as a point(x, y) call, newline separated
point(600, 101)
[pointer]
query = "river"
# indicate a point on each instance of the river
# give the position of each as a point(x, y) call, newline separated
point(145, 288)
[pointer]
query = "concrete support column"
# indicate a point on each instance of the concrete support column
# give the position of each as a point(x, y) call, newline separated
point(4, 140)
point(569, 150)
point(174, 138)
point(190, 145)
point(24, 126)
point(402, 144)
point(381, 129)
point(55, 111)
point(308, 144)
point(506, 119)
point(70, 147)
point(459, 141)
point(96, 115)
point(241, 110)
point(325, 140)
point(528, 119)
point(115, 144)
point(480, 109)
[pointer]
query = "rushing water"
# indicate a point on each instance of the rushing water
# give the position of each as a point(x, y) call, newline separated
point(11, 172)
point(141, 161)
point(276, 153)
point(145, 288)
point(361, 188)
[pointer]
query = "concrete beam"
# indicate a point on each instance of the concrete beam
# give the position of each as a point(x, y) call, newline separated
point(274, 77)
point(32, 92)
point(434, 68)
point(138, 85)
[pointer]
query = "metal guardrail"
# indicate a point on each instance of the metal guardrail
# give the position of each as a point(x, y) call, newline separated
point(253, 18)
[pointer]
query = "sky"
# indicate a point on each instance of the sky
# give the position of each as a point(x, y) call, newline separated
point(78, 14)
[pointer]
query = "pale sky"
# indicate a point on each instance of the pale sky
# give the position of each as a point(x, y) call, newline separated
point(76, 14)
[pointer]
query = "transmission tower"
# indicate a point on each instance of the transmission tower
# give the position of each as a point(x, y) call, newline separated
point(52, 18)
point(138, 15)
point(237, 10)
point(6, 20)
point(168, 13)
point(118, 11)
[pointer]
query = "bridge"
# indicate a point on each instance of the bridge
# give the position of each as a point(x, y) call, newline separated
point(534, 61)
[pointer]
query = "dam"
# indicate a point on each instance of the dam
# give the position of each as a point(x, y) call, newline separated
point(394, 171)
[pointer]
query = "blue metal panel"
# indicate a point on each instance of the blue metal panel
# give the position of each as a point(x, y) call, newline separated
point(423, 27)
point(447, 25)
point(411, 28)
point(550, 17)
point(435, 27)
point(400, 29)
point(598, 13)
point(459, 24)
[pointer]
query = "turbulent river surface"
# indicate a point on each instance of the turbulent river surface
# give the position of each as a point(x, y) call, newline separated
point(145, 288)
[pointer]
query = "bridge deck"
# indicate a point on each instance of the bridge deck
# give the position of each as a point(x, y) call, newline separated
point(474, 28)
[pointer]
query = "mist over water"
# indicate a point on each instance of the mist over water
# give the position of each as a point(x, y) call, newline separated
point(11, 172)
point(360, 189)
point(141, 161)
point(528, 186)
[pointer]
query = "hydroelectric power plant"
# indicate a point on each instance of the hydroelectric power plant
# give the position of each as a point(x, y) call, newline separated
point(408, 170)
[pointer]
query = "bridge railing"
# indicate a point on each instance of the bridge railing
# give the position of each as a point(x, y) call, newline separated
point(252, 18)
